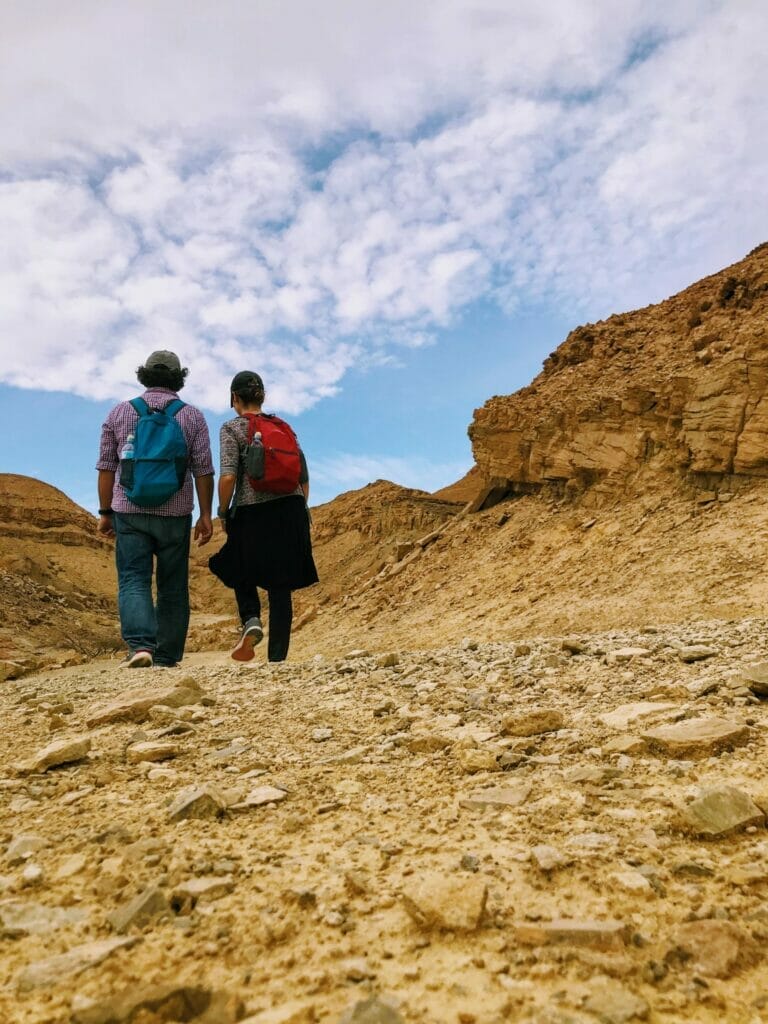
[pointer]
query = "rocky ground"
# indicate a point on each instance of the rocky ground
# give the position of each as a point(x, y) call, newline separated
point(566, 829)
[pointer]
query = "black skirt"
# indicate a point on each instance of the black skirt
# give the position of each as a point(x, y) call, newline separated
point(268, 545)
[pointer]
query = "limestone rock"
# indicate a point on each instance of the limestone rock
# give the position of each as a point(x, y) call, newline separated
point(56, 753)
point(624, 654)
point(18, 917)
point(498, 797)
point(440, 901)
point(149, 903)
point(614, 1003)
point(547, 858)
point(717, 948)
point(134, 705)
point(623, 717)
point(197, 802)
point(606, 935)
point(720, 812)
point(164, 1002)
point(478, 759)
point(22, 847)
point(534, 722)
point(151, 750)
point(697, 738)
point(427, 742)
point(756, 678)
point(371, 1011)
point(259, 797)
point(53, 969)
point(696, 652)
point(188, 894)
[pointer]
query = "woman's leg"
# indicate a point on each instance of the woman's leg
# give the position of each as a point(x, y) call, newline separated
point(248, 603)
point(249, 607)
point(280, 617)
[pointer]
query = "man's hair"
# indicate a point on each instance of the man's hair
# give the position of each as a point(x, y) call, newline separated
point(162, 377)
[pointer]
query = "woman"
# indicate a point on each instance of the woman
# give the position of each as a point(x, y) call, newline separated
point(268, 543)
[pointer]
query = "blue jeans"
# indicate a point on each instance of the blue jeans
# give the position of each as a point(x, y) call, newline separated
point(161, 628)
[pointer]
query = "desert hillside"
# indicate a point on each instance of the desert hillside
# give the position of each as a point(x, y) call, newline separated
point(57, 590)
point(510, 771)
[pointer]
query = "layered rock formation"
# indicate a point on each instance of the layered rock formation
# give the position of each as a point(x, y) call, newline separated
point(679, 388)
point(57, 586)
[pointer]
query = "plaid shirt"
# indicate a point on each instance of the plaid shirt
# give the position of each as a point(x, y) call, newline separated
point(121, 422)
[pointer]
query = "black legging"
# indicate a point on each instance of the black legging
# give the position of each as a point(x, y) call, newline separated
point(280, 617)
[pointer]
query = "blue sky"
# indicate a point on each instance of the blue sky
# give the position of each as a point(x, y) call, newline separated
point(391, 212)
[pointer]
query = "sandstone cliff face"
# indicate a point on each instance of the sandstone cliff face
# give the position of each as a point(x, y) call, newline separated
point(57, 578)
point(679, 387)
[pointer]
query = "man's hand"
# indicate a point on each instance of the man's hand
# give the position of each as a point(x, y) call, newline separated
point(203, 530)
point(105, 526)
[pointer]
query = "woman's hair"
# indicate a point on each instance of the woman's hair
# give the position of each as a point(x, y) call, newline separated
point(253, 395)
point(162, 377)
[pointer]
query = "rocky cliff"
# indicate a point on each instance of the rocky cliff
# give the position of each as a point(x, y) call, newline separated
point(677, 388)
point(57, 588)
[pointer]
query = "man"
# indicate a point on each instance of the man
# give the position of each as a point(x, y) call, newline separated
point(155, 634)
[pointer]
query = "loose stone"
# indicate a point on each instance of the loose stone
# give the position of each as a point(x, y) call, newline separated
point(721, 812)
point(448, 902)
point(57, 753)
point(533, 723)
point(697, 737)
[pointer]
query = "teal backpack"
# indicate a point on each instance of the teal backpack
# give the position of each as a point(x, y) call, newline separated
point(158, 465)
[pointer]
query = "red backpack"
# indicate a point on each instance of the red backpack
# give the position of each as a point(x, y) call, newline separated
point(272, 462)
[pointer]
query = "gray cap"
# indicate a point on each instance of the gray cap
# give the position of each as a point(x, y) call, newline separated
point(169, 360)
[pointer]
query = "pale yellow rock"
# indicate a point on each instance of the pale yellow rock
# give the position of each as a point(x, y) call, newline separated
point(47, 972)
point(56, 753)
point(476, 759)
point(70, 866)
point(450, 902)
point(717, 948)
point(134, 705)
point(151, 750)
point(533, 722)
point(201, 890)
point(498, 797)
point(630, 714)
point(595, 934)
point(697, 737)
point(720, 812)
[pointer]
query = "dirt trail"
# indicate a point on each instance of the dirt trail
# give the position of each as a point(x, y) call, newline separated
point(397, 827)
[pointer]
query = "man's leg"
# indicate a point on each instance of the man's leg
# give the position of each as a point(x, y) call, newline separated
point(280, 617)
point(134, 547)
point(172, 538)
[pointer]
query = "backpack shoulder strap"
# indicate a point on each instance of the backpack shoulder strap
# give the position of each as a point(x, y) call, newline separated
point(174, 407)
point(253, 424)
point(141, 407)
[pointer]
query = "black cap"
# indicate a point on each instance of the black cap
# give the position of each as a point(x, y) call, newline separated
point(244, 380)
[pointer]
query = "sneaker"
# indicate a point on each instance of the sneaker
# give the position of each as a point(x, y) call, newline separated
point(166, 664)
point(252, 634)
point(137, 659)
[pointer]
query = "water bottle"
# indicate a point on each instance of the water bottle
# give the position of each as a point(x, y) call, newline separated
point(127, 452)
point(254, 457)
point(126, 463)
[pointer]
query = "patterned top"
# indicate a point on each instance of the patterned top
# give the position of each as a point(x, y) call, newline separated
point(233, 439)
point(121, 422)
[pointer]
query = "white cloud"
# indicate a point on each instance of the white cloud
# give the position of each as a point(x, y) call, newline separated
point(160, 188)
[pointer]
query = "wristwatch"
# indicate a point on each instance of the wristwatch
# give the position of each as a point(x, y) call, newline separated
point(222, 513)
point(105, 512)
